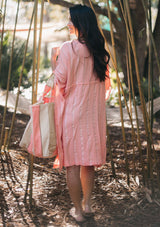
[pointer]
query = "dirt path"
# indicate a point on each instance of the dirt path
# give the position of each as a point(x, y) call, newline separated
point(114, 202)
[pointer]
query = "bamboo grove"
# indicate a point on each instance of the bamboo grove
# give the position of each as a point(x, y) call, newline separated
point(149, 168)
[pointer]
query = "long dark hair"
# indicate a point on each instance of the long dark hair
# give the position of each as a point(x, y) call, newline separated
point(85, 21)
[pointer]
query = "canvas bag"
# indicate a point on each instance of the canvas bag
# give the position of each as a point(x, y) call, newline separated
point(39, 137)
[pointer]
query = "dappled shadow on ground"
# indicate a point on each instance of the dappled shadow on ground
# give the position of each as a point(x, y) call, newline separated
point(115, 203)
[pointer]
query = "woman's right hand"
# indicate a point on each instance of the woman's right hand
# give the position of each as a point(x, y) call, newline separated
point(54, 56)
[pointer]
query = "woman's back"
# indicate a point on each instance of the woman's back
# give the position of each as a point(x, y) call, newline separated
point(83, 121)
point(75, 65)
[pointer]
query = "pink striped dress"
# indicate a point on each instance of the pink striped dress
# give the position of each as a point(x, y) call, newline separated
point(80, 114)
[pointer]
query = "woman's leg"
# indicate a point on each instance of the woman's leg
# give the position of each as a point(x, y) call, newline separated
point(74, 186)
point(87, 181)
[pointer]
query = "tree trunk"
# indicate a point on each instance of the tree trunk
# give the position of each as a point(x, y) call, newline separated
point(156, 35)
point(139, 28)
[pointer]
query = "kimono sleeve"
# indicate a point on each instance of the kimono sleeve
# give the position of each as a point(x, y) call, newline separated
point(60, 72)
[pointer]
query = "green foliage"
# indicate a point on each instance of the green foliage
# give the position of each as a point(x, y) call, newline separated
point(45, 62)
point(154, 3)
point(156, 92)
point(114, 97)
point(18, 55)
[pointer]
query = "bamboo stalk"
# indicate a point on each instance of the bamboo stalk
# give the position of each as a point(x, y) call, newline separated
point(35, 81)
point(130, 101)
point(133, 96)
point(150, 100)
point(110, 151)
point(20, 80)
point(152, 38)
point(131, 37)
point(129, 82)
point(155, 163)
point(27, 184)
point(120, 103)
point(1, 4)
point(1, 47)
point(151, 69)
point(144, 111)
point(34, 94)
point(136, 114)
point(39, 44)
point(149, 81)
point(130, 105)
point(138, 132)
point(1, 9)
point(9, 74)
point(2, 34)
point(31, 160)
point(5, 137)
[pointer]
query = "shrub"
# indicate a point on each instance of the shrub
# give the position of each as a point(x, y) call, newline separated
point(18, 54)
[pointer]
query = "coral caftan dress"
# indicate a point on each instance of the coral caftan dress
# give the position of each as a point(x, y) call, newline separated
point(80, 115)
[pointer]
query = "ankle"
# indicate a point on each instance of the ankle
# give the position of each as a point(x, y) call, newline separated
point(78, 210)
point(86, 205)
point(86, 202)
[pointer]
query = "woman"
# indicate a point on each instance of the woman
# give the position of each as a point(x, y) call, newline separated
point(80, 75)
